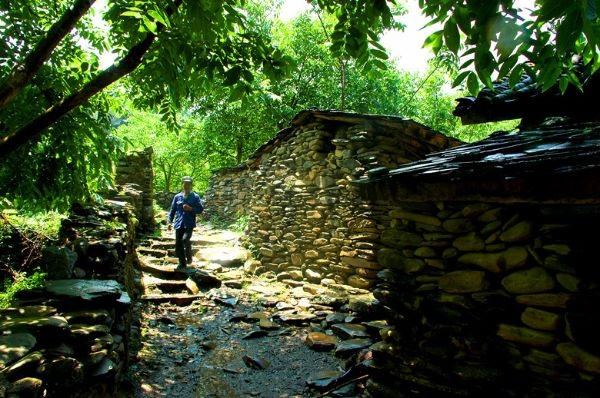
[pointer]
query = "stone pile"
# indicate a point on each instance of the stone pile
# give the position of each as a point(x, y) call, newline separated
point(71, 337)
point(306, 221)
point(72, 344)
point(487, 299)
point(134, 185)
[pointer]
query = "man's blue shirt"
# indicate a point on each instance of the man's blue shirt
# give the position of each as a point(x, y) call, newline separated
point(185, 219)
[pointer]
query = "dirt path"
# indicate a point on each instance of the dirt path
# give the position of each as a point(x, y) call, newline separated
point(244, 338)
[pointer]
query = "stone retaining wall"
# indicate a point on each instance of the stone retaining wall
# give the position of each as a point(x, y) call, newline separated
point(71, 338)
point(487, 300)
point(306, 221)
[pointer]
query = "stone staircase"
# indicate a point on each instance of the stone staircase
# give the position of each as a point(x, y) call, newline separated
point(215, 252)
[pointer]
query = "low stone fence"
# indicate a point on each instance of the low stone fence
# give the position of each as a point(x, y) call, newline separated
point(71, 338)
point(487, 300)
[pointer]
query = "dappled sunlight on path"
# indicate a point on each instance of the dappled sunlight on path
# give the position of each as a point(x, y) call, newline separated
point(215, 331)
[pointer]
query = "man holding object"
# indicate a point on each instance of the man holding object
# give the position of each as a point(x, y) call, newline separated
point(186, 205)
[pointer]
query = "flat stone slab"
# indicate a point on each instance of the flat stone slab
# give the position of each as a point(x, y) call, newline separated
point(320, 341)
point(297, 318)
point(89, 317)
point(152, 281)
point(15, 346)
point(36, 325)
point(224, 255)
point(162, 271)
point(349, 330)
point(175, 298)
point(348, 347)
point(28, 311)
point(86, 289)
point(145, 251)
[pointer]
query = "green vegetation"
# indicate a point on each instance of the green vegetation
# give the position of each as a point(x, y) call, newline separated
point(240, 225)
point(19, 283)
point(22, 236)
point(493, 37)
point(206, 82)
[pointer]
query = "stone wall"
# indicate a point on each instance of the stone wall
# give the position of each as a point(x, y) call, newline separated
point(71, 338)
point(306, 221)
point(134, 182)
point(229, 194)
point(487, 299)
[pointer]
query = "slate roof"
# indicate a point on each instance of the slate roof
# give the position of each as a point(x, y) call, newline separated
point(548, 162)
point(420, 136)
point(525, 101)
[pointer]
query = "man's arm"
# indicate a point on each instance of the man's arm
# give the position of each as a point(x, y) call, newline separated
point(172, 211)
point(197, 207)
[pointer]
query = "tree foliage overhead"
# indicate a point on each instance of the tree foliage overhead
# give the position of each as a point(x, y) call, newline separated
point(495, 37)
point(51, 85)
point(55, 133)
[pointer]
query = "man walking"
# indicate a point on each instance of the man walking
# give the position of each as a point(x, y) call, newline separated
point(186, 205)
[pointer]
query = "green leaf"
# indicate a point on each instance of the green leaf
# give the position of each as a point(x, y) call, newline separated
point(451, 36)
point(379, 54)
point(434, 41)
point(150, 25)
point(563, 83)
point(461, 15)
point(466, 64)
point(460, 78)
point(237, 92)
point(130, 13)
point(507, 66)
point(569, 31)
point(473, 84)
point(552, 9)
point(515, 75)
point(380, 64)
point(232, 76)
point(160, 17)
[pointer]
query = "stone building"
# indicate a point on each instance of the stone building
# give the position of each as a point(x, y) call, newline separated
point(487, 254)
point(306, 219)
point(483, 254)
point(488, 268)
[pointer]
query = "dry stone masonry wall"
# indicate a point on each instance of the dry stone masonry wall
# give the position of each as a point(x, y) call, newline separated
point(134, 182)
point(306, 220)
point(487, 299)
point(71, 338)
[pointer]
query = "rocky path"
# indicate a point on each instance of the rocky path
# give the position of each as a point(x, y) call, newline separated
point(216, 331)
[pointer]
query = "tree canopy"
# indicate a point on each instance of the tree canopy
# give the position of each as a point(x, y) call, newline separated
point(498, 39)
point(56, 137)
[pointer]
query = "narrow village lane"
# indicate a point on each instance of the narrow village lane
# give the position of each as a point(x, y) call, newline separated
point(216, 331)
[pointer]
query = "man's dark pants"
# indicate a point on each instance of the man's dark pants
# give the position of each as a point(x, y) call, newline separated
point(183, 245)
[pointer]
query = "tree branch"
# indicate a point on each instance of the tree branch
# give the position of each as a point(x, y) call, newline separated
point(129, 63)
point(23, 72)
point(113, 73)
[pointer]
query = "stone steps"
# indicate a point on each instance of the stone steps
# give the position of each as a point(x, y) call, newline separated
point(162, 282)
point(179, 299)
point(151, 283)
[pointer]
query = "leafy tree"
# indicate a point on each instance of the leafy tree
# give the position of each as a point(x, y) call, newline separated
point(493, 37)
point(169, 49)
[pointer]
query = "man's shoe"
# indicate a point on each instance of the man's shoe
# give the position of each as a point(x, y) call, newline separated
point(181, 268)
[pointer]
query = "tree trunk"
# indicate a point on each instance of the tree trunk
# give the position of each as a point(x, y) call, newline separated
point(22, 73)
point(343, 84)
point(239, 150)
